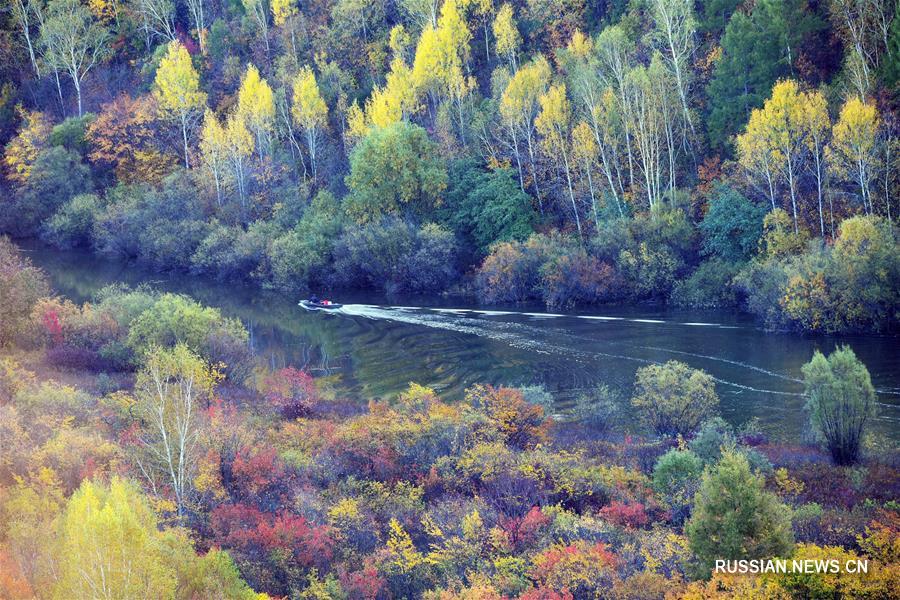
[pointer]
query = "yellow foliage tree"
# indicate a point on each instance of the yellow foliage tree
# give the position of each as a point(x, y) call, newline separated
point(256, 107)
point(853, 151)
point(507, 35)
point(214, 150)
point(177, 88)
point(110, 546)
point(23, 150)
point(309, 111)
point(554, 125)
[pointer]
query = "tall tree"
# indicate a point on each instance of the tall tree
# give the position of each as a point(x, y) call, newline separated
point(171, 391)
point(259, 10)
point(110, 545)
point(819, 129)
point(310, 111)
point(256, 107)
point(239, 146)
point(553, 123)
point(25, 16)
point(177, 88)
point(158, 19)
point(519, 106)
point(674, 34)
point(507, 36)
point(214, 150)
point(73, 41)
point(853, 151)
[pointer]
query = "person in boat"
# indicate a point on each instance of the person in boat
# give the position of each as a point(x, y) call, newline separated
point(314, 299)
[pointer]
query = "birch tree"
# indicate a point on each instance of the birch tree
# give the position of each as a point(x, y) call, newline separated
point(554, 125)
point(23, 12)
point(73, 41)
point(259, 10)
point(158, 18)
point(853, 150)
point(256, 106)
point(214, 150)
point(310, 112)
point(177, 88)
point(674, 34)
point(170, 392)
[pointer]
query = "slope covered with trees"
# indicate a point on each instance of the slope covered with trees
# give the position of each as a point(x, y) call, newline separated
point(558, 151)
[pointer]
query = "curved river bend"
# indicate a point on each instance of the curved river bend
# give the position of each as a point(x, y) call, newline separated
point(373, 348)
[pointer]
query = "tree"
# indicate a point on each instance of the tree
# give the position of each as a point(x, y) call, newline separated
point(519, 106)
point(553, 124)
point(735, 517)
point(283, 14)
point(25, 13)
point(198, 17)
point(73, 41)
point(110, 546)
point(673, 399)
point(507, 36)
point(394, 168)
point(779, 136)
point(177, 87)
point(840, 401)
point(732, 226)
point(310, 111)
point(675, 30)
point(864, 26)
point(171, 391)
point(757, 50)
point(214, 150)
point(158, 19)
point(853, 152)
point(239, 147)
point(22, 151)
point(819, 127)
point(256, 107)
point(259, 10)
point(21, 286)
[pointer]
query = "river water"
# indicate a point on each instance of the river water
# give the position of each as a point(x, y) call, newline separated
point(373, 347)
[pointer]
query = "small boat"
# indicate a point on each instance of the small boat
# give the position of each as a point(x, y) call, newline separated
point(320, 305)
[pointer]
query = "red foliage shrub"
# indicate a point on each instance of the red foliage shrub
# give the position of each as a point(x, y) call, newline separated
point(523, 531)
point(292, 392)
point(632, 515)
point(258, 475)
point(256, 533)
point(53, 327)
point(365, 584)
point(546, 594)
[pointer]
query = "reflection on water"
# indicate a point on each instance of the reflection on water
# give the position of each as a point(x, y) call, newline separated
point(373, 348)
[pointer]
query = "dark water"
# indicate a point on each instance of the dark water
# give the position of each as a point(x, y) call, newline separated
point(374, 348)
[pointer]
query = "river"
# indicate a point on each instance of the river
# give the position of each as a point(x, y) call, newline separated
point(373, 347)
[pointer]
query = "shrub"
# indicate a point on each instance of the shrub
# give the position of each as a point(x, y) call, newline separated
point(673, 399)
point(73, 222)
point(301, 256)
point(21, 286)
point(174, 319)
point(598, 409)
point(709, 286)
point(735, 518)
point(523, 425)
point(714, 435)
point(291, 391)
point(676, 478)
point(841, 400)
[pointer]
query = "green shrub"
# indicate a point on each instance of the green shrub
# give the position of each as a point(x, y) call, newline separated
point(709, 286)
point(673, 399)
point(732, 226)
point(21, 286)
point(676, 477)
point(841, 401)
point(73, 222)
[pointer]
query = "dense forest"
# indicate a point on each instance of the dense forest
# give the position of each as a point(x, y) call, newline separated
point(722, 153)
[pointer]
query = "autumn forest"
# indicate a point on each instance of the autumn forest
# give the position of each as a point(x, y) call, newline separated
point(739, 156)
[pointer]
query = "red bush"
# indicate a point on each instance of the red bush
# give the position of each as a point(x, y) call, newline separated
point(291, 391)
point(626, 515)
point(523, 531)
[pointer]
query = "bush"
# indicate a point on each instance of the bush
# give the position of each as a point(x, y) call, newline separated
point(710, 286)
point(735, 518)
point(841, 400)
point(395, 256)
point(553, 268)
point(676, 478)
point(673, 399)
point(21, 286)
point(599, 409)
point(73, 222)
point(301, 257)
point(714, 436)
point(57, 175)
point(173, 319)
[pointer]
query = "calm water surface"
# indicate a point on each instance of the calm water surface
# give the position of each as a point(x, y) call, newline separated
point(374, 348)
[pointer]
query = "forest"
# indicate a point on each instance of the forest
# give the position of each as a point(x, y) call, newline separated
point(730, 154)
point(713, 154)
